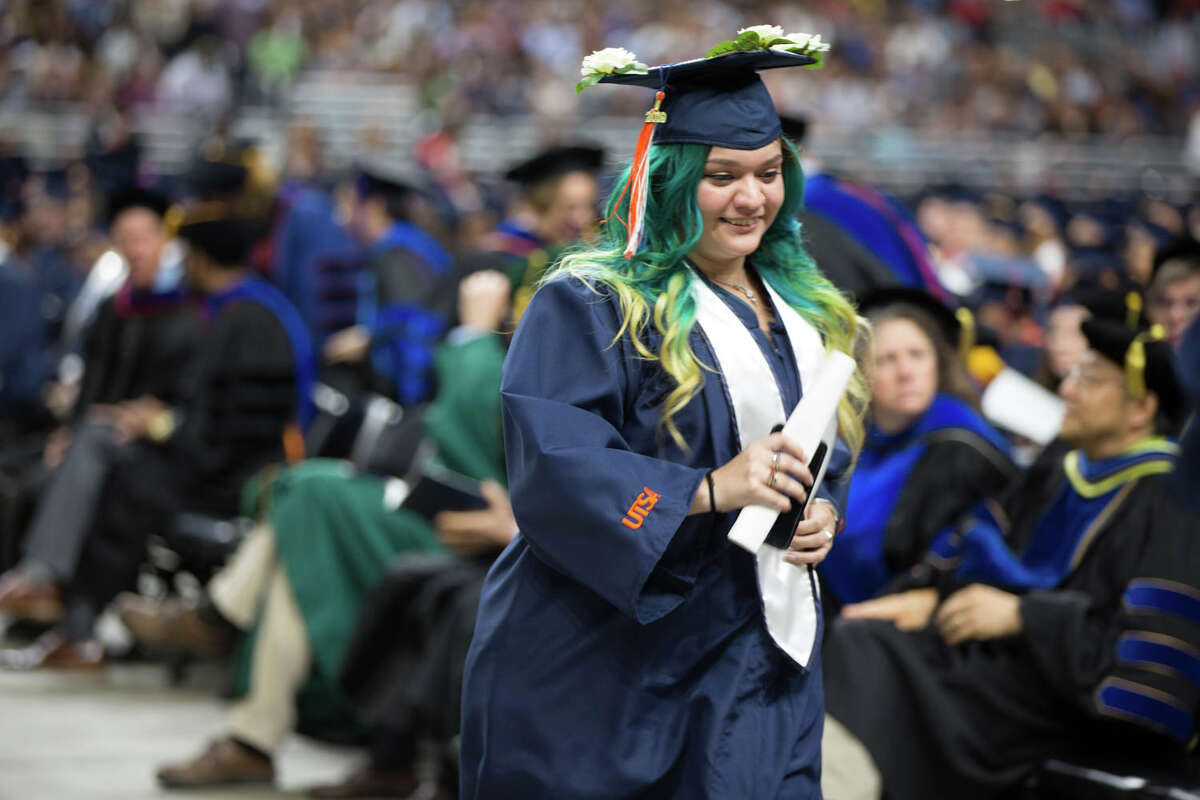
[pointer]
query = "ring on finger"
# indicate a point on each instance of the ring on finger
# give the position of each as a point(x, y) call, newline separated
point(775, 460)
point(771, 480)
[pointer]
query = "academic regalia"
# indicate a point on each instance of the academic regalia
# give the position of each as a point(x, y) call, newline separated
point(22, 368)
point(590, 633)
point(1082, 678)
point(306, 235)
point(908, 489)
point(337, 531)
point(140, 343)
point(879, 224)
point(848, 264)
point(236, 405)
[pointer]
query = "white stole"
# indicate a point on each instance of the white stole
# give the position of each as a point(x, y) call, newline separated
point(789, 606)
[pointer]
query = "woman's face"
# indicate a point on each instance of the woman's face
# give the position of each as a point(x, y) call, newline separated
point(739, 196)
point(904, 373)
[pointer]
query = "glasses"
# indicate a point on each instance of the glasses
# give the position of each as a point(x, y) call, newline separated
point(1090, 377)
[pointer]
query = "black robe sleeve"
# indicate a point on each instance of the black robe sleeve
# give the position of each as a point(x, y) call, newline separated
point(242, 397)
point(1092, 633)
point(957, 470)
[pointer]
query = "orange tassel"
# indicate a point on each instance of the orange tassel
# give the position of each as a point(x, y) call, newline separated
point(639, 177)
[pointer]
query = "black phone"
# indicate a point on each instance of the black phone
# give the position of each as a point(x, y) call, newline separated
point(781, 532)
point(436, 488)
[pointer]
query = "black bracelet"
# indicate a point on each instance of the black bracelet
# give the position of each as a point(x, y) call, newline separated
point(712, 493)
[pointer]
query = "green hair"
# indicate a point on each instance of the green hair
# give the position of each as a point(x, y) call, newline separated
point(654, 286)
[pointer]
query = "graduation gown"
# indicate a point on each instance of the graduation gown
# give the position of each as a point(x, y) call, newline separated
point(614, 660)
point(1105, 661)
point(137, 348)
point(908, 488)
point(237, 402)
point(336, 532)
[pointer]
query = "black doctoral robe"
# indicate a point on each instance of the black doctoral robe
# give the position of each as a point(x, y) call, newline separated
point(129, 354)
point(235, 407)
point(976, 720)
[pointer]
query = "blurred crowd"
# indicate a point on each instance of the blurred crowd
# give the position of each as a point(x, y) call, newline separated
point(1118, 68)
point(287, 376)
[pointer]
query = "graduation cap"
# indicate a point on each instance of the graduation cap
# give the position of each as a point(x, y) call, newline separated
point(1184, 249)
point(719, 100)
point(556, 162)
point(216, 178)
point(386, 177)
point(956, 325)
point(1123, 306)
point(136, 197)
point(1145, 357)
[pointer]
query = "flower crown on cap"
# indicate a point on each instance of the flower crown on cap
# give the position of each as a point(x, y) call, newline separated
point(619, 61)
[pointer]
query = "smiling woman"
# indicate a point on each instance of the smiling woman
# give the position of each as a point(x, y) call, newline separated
point(621, 648)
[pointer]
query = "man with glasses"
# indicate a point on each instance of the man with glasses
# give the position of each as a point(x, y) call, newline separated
point(1070, 631)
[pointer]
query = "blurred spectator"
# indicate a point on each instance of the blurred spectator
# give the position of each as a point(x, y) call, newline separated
point(1173, 297)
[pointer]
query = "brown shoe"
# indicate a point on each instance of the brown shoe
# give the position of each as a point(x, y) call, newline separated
point(366, 782)
point(223, 763)
point(52, 650)
point(173, 624)
point(25, 598)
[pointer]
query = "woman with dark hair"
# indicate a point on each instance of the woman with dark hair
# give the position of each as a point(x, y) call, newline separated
point(929, 457)
point(622, 648)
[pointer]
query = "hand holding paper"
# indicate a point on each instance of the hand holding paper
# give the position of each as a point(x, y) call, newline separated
point(812, 426)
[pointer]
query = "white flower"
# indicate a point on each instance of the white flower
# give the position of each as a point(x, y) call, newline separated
point(804, 43)
point(607, 61)
point(765, 32)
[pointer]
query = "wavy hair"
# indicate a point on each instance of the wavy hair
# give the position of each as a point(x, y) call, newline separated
point(654, 286)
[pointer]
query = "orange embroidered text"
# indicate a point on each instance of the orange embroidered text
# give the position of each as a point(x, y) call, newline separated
point(640, 509)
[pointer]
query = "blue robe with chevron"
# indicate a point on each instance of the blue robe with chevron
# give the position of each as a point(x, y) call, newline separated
point(1109, 580)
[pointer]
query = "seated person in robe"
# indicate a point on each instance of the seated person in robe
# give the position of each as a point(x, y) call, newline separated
point(376, 306)
point(929, 457)
point(252, 374)
point(1079, 639)
point(142, 341)
point(300, 579)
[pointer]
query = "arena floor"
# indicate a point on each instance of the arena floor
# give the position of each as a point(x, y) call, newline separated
point(78, 736)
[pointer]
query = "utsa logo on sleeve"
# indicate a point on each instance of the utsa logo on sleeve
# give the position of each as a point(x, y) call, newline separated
point(641, 508)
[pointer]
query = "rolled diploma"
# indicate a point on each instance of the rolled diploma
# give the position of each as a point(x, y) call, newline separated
point(814, 414)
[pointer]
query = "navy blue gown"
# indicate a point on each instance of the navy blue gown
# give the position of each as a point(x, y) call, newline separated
point(612, 661)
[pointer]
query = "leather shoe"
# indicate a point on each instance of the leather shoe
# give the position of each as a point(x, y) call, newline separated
point(24, 598)
point(223, 763)
point(174, 625)
point(52, 650)
point(366, 782)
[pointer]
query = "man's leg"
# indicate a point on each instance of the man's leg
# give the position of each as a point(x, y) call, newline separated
point(260, 721)
point(282, 659)
point(210, 627)
point(238, 588)
point(847, 770)
point(63, 518)
point(67, 508)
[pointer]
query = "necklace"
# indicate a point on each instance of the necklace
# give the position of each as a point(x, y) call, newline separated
point(750, 294)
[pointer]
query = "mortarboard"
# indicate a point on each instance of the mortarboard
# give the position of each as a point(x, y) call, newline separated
point(1147, 360)
point(1124, 306)
point(555, 162)
point(136, 197)
point(957, 325)
point(1184, 249)
point(224, 238)
point(718, 100)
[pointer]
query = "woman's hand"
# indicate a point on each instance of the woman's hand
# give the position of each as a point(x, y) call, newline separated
point(813, 537)
point(770, 472)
